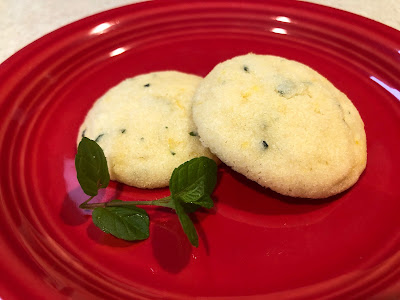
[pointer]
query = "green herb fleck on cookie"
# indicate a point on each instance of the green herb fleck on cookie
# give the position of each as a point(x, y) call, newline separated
point(99, 137)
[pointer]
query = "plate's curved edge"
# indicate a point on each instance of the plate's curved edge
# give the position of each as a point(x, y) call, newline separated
point(383, 30)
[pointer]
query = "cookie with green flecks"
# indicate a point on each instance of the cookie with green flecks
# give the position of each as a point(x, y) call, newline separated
point(281, 124)
point(145, 128)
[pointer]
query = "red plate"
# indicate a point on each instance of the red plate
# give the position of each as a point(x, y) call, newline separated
point(255, 243)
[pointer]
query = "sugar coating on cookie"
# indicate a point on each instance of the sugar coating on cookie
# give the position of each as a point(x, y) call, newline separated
point(281, 124)
point(145, 128)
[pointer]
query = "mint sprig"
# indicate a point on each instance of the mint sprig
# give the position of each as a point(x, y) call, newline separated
point(128, 223)
point(191, 186)
point(91, 167)
point(194, 181)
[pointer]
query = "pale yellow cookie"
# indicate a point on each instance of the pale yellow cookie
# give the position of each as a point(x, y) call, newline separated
point(281, 124)
point(145, 128)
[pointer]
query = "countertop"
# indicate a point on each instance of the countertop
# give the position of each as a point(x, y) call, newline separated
point(23, 21)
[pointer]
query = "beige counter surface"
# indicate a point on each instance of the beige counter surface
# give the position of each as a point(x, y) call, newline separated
point(23, 21)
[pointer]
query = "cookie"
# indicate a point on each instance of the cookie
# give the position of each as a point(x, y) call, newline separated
point(145, 128)
point(281, 124)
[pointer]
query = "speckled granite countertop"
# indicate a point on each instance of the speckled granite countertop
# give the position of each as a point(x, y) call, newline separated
point(23, 21)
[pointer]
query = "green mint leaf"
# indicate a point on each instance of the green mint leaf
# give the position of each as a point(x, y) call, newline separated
point(190, 207)
point(129, 223)
point(205, 202)
point(194, 181)
point(187, 224)
point(91, 167)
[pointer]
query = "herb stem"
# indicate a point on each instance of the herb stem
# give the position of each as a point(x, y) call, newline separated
point(84, 204)
point(164, 202)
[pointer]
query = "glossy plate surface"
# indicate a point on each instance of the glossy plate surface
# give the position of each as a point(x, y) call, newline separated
point(254, 243)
